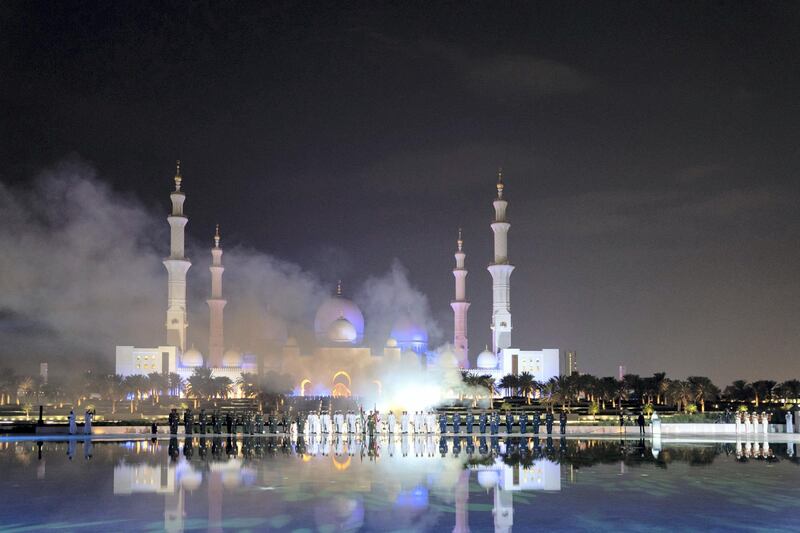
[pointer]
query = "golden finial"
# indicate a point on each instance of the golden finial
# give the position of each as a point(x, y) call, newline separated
point(216, 237)
point(178, 177)
point(460, 240)
point(500, 182)
point(339, 288)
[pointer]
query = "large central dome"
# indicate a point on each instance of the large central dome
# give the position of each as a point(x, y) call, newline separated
point(334, 308)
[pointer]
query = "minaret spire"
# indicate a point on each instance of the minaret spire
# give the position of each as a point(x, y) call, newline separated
point(177, 265)
point(216, 305)
point(460, 306)
point(500, 270)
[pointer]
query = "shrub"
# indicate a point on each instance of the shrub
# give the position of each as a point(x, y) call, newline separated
point(691, 408)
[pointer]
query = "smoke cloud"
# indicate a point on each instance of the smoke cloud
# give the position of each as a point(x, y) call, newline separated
point(82, 273)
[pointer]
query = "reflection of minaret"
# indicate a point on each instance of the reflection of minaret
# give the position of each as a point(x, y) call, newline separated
point(216, 305)
point(503, 510)
point(215, 501)
point(462, 502)
point(460, 306)
point(174, 511)
point(500, 269)
point(177, 265)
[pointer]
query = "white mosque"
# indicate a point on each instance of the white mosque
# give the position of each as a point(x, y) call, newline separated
point(336, 361)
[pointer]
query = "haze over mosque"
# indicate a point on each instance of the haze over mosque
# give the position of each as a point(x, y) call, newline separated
point(336, 360)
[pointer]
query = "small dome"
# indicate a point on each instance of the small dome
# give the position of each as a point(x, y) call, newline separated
point(342, 330)
point(232, 359)
point(487, 360)
point(192, 358)
point(407, 331)
point(488, 478)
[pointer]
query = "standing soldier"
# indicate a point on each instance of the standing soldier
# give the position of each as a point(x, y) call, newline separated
point(202, 421)
point(229, 423)
point(470, 421)
point(509, 422)
point(456, 422)
point(188, 421)
point(442, 423)
point(494, 423)
point(272, 423)
point(404, 423)
point(549, 421)
point(259, 423)
point(562, 422)
point(482, 423)
point(537, 421)
point(523, 423)
point(391, 422)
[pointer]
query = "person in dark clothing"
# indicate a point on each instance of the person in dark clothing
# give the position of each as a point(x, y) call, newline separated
point(548, 420)
point(482, 423)
point(470, 421)
point(562, 422)
point(229, 423)
point(621, 420)
point(537, 421)
point(640, 421)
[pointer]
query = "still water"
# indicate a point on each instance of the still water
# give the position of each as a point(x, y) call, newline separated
point(408, 484)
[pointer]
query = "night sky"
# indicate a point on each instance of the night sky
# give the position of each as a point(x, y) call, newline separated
point(650, 152)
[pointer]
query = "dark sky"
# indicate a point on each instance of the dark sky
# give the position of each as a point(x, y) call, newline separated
point(650, 151)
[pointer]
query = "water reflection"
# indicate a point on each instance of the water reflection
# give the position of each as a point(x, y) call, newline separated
point(346, 483)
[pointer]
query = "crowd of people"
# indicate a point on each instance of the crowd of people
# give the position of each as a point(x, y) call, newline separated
point(328, 422)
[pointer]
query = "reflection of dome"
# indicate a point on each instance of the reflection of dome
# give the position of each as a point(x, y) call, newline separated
point(342, 330)
point(487, 360)
point(192, 358)
point(232, 358)
point(191, 480)
point(487, 478)
point(334, 308)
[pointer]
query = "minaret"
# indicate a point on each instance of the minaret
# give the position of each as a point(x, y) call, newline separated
point(460, 306)
point(216, 304)
point(500, 269)
point(177, 265)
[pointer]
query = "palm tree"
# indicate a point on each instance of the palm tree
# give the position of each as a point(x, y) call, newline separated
point(249, 385)
point(704, 390)
point(175, 383)
point(608, 390)
point(200, 384)
point(789, 390)
point(509, 382)
point(135, 385)
point(633, 385)
point(763, 389)
point(113, 389)
point(159, 384)
point(550, 393)
point(8, 384)
point(739, 390)
point(221, 386)
point(680, 393)
point(527, 385)
point(486, 381)
point(659, 384)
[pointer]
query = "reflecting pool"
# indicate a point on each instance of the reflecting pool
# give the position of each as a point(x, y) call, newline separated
point(403, 484)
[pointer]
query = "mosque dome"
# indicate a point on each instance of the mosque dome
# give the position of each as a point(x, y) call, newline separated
point(192, 358)
point(410, 335)
point(342, 330)
point(488, 478)
point(334, 308)
point(487, 360)
point(232, 359)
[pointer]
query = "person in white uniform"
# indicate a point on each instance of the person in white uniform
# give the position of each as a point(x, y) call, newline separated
point(404, 423)
point(73, 427)
point(391, 422)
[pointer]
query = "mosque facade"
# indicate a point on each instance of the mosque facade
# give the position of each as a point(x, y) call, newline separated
point(336, 361)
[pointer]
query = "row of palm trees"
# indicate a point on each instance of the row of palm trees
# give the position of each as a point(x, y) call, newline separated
point(608, 391)
point(81, 388)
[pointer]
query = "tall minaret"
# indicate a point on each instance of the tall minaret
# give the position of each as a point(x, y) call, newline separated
point(216, 304)
point(500, 269)
point(460, 306)
point(177, 265)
